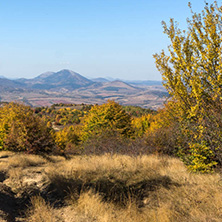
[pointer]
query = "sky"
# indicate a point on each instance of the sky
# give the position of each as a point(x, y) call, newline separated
point(96, 38)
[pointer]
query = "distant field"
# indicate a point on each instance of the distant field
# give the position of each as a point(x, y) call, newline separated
point(147, 96)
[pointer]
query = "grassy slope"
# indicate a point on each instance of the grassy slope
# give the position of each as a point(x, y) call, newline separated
point(106, 188)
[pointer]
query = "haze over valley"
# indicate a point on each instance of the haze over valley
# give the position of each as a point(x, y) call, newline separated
point(66, 86)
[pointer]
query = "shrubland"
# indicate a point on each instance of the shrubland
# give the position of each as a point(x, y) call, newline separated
point(109, 167)
point(189, 126)
point(113, 163)
point(108, 128)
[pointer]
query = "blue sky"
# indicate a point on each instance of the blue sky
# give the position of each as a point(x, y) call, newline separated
point(96, 38)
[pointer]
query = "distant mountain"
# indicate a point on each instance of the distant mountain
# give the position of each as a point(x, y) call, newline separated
point(67, 86)
point(100, 80)
point(11, 83)
point(57, 80)
point(10, 87)
point(67, 80)
point(133, 82)
point(2, 77)
point(111, 87)
point(145, 82)
point(44, 75)
point(117, 85)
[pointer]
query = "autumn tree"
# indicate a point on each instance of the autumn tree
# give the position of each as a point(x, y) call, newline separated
point(109, 116)
point(192, 74)
point(142, 124)
point(22, 130)
point(68, 136)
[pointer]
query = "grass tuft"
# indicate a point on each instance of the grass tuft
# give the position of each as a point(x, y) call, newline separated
point(111, 188)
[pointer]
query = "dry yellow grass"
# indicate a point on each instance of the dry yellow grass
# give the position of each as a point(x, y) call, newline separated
point(9, 160)
point(4, 154)
point(166, 190)
point(25, 160)
point(17, 167)
point(114, 188)
point(93, 207)
point(40, 211)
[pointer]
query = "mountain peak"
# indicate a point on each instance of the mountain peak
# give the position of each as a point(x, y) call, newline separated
point(100, 79)
point(63, 72)
point(64, 78)
point(66, 70)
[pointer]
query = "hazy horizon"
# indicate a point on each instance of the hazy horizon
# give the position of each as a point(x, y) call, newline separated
point(88, 77)
point(94, 38)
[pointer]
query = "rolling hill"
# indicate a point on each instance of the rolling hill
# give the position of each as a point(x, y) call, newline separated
point(67, 86)
point(57, 80)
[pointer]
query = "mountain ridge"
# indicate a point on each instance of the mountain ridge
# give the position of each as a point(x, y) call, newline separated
point(66, 86)
point(69, 80)
point(54, 80)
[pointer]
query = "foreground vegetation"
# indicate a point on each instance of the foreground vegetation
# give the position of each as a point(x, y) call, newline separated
point(189, 126)
point(107, 128)
point(105, 188)
point(113, 163)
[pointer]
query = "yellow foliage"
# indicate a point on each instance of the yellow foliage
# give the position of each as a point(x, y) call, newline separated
point(192, 75)
point(68, 135)
point(142, 124)
point(109, 116)
point(21, 130)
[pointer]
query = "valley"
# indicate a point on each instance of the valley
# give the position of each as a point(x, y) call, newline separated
point(67, 86)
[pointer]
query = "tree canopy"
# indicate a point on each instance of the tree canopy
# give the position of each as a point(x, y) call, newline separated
point(109, 116)
point(192, 71)
point(21, 130)
point(192, 74)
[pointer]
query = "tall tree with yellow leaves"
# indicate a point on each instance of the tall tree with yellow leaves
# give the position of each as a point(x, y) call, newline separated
point(192, 74)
